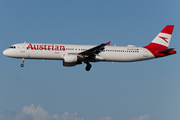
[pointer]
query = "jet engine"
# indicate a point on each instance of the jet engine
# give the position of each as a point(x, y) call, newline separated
point(71, 60)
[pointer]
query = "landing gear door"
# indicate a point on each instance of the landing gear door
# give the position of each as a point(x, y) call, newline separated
point(22, 47)
point(145, 53)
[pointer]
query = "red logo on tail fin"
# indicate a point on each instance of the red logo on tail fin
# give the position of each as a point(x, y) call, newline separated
point(164, 38)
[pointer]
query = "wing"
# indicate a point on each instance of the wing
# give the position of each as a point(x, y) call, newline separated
point(95, 50)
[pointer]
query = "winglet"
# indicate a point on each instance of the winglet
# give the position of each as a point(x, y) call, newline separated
point(108, 43)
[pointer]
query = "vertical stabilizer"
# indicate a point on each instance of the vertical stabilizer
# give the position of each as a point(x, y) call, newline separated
point(162, 40)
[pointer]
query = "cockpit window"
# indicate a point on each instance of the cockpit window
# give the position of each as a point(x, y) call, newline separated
point(13, 47)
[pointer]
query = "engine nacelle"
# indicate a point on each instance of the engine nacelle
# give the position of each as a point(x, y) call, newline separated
point(71, 60)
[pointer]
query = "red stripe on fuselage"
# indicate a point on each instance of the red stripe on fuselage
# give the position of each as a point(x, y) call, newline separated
point(157, 46)
point(154, 48)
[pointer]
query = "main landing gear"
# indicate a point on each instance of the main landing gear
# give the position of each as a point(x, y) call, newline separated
point(22, 65)
point(88, 67)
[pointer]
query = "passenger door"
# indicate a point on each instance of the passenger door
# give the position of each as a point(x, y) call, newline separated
point(22, 47)
point(145, 53)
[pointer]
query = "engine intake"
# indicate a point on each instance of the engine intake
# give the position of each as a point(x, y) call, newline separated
point(71, 60)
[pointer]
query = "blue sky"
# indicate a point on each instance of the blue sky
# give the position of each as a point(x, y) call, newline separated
point(147, 90)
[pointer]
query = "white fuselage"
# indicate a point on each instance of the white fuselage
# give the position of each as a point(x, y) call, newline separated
point(56, 52)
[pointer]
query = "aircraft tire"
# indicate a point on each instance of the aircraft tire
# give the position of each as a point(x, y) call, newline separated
point(22, 65)
point(88, 67)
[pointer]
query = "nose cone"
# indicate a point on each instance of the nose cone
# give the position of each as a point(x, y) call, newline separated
point(8, 53)
point(5, 52)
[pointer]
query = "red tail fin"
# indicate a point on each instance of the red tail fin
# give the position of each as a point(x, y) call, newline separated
point(162, 40)
point(159, 46)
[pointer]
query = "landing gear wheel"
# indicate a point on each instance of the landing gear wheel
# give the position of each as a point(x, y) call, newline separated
point(22, 65)
point(88, 67)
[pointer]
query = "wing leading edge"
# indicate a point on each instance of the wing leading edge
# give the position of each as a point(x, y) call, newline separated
point(95, 50)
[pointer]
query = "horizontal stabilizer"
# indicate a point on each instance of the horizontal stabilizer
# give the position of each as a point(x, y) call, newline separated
point(167, 51)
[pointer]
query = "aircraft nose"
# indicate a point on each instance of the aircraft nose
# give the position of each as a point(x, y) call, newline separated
point(8, 53)
point(5, 52)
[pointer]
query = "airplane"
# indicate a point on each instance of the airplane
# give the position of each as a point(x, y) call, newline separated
point(73, 55)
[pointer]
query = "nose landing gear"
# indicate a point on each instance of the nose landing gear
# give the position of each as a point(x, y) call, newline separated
point(88, 67)
point(22, 65)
